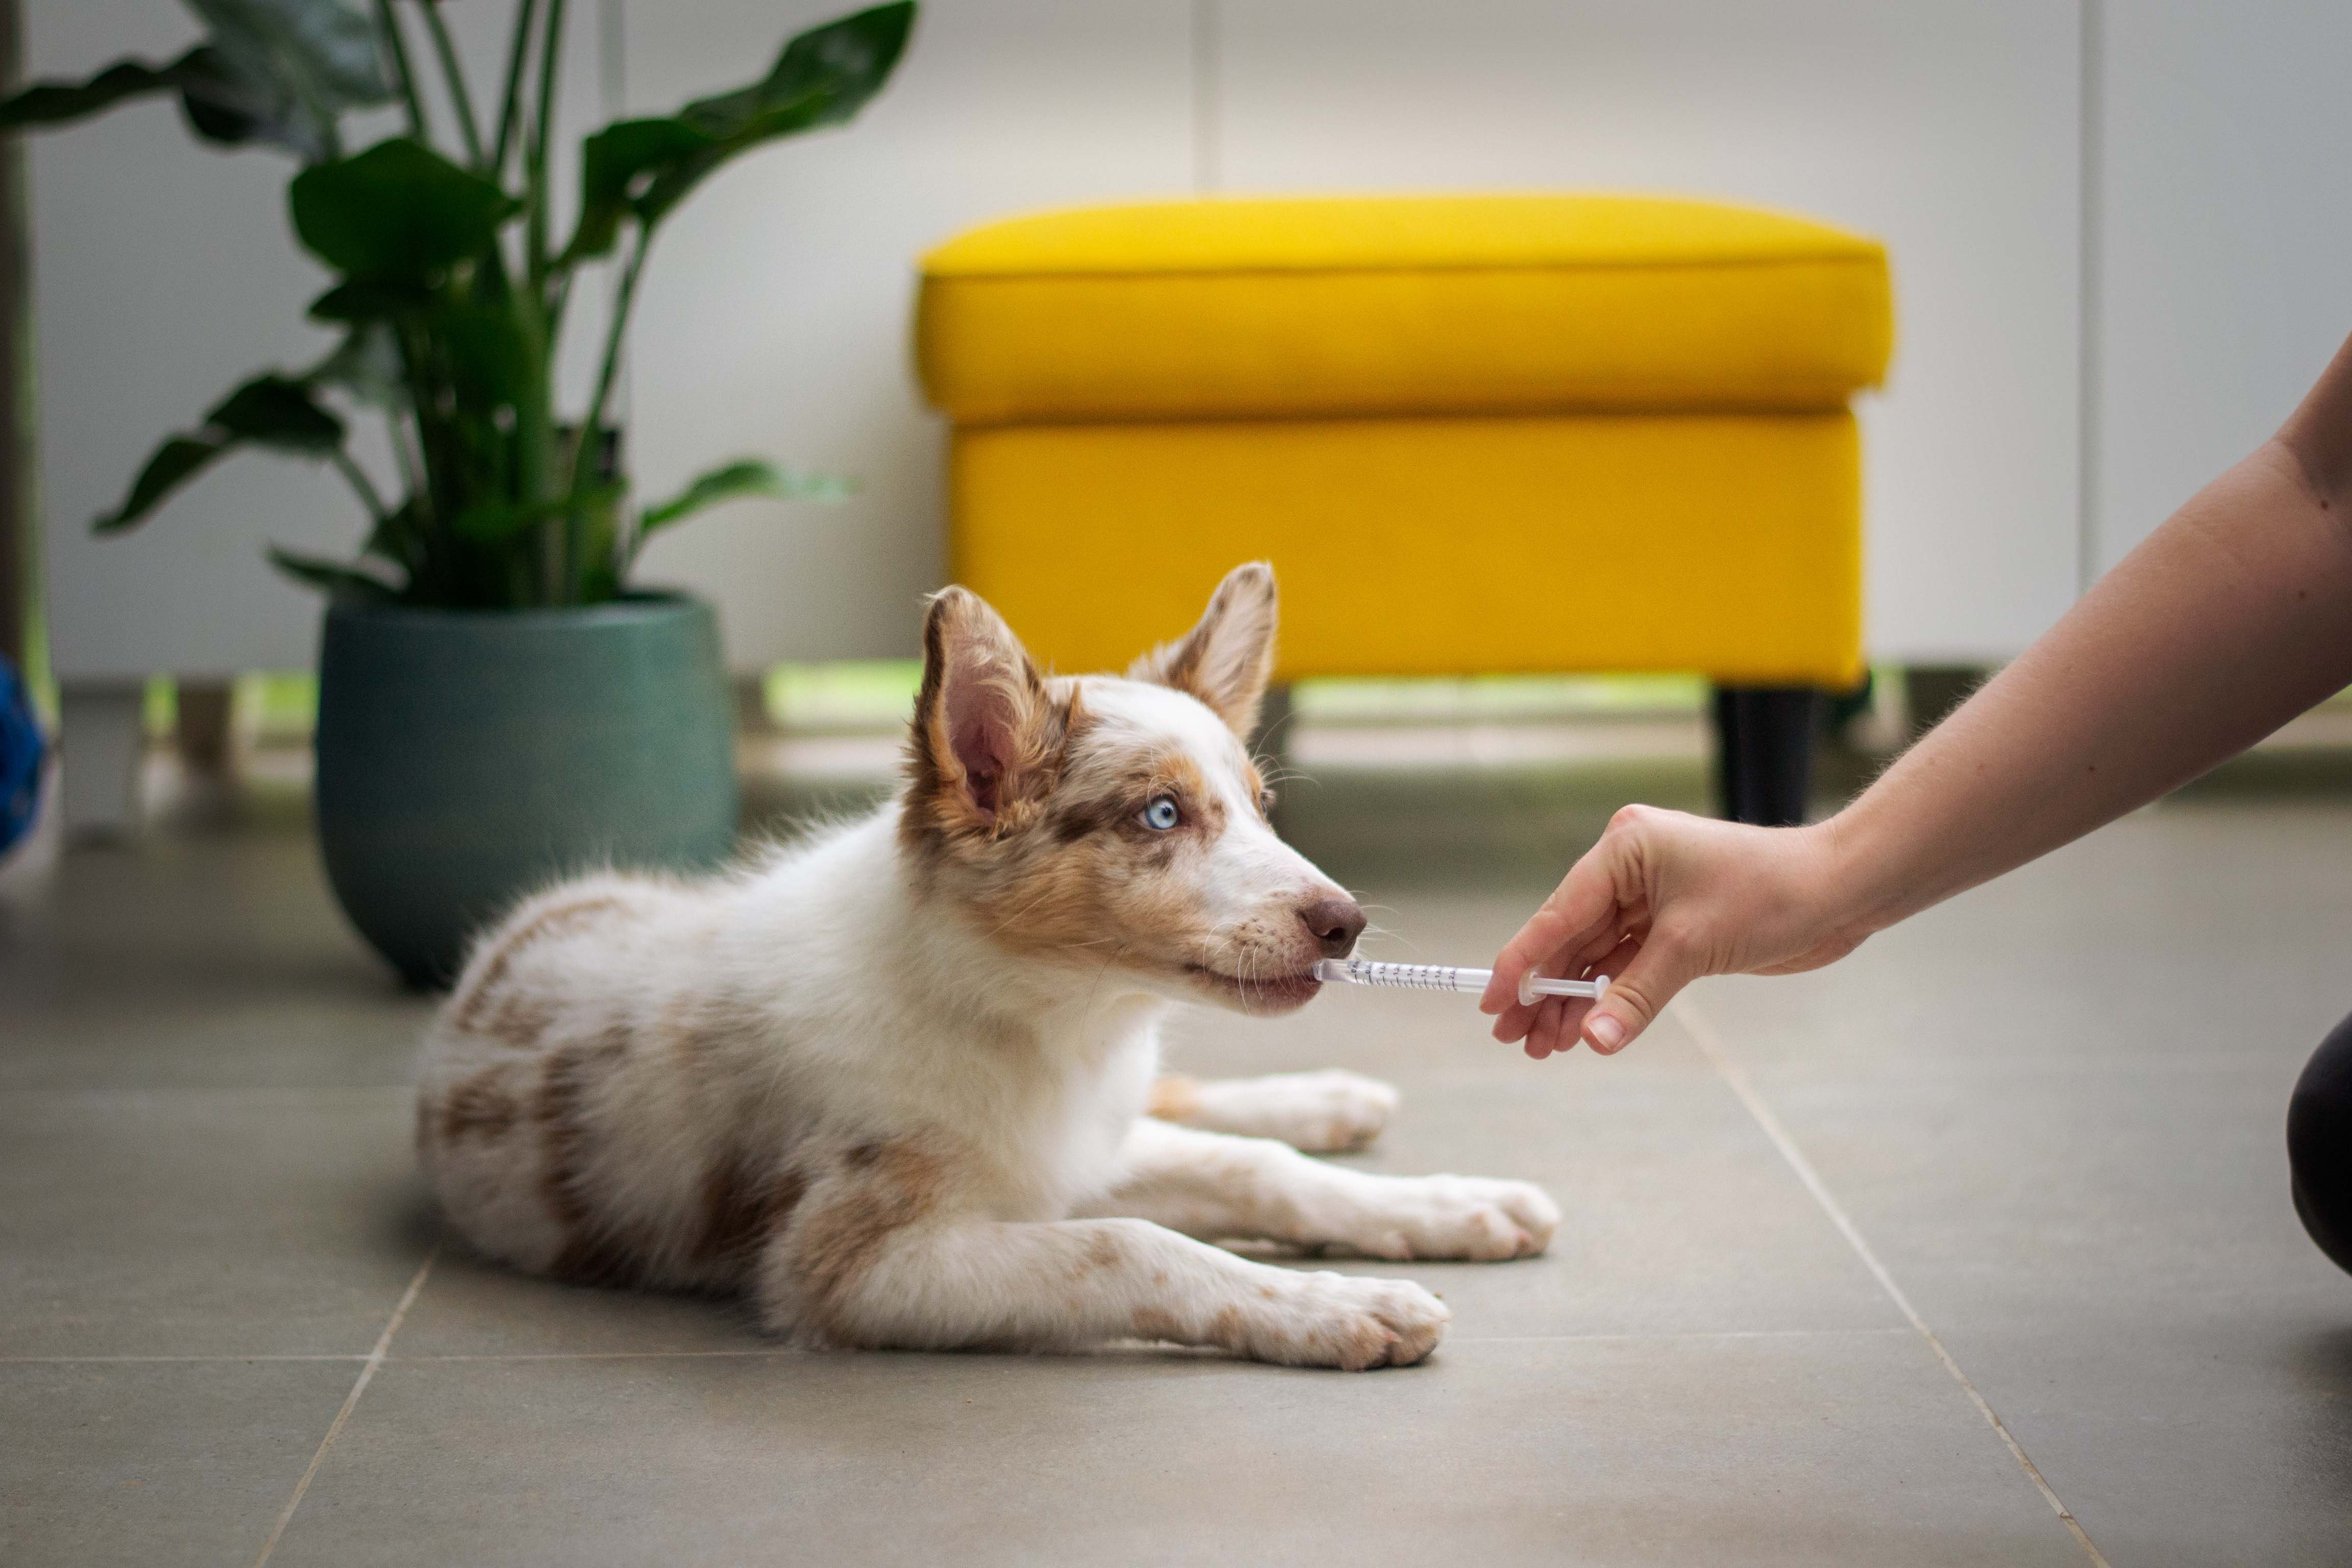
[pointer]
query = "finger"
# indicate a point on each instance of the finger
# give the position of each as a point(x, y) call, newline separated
point(1659, 969)
point(1550, 1031)
point(1602, 955)
point(1556, 967)
point(1585, 899)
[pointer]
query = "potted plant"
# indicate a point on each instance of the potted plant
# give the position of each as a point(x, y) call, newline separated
point(497, 704)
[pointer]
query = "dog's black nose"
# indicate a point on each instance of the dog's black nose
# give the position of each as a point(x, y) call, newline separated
point(1334, 923)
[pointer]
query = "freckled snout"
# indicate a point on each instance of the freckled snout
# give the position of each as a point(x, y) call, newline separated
point(1334, 923)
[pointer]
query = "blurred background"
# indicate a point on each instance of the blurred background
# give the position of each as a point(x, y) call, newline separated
point(2111, 278)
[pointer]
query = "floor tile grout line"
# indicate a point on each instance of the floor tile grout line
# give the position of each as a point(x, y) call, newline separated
point(351, 1402)
point(1704, 1035)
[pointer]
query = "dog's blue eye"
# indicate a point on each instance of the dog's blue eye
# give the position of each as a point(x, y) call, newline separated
point(1161, 813)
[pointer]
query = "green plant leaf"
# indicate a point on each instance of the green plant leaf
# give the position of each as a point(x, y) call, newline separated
point(370, 301)
point(489, 522)
point(399, 539)
point(645, 167)
point(322, 50)
point(341, 581)
point(179, 459)
point(615, 164)
point(397, 213)
point(291, 69)
point(54, 103)
point(269, 410)
point(221, 103)
point(282, 72)
point(275, 410)
point(366, 364)
point(486, 353)
point(744, 476)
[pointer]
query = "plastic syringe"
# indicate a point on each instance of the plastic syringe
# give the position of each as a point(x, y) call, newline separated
point(1446, 977)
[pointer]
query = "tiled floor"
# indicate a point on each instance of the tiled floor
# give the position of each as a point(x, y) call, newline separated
point(2043, 1123)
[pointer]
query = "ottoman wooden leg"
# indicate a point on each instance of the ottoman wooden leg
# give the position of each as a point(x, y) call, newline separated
point(1764, 752)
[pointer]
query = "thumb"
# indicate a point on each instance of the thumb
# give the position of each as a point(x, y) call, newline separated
point(1636, 997)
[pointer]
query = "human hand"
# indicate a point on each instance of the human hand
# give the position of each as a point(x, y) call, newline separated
point(1663, 899)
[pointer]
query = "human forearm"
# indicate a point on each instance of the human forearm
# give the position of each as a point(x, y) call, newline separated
point(2231, 618)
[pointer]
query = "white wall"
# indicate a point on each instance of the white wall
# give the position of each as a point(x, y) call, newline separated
point(2224, 233)
point(775, 309)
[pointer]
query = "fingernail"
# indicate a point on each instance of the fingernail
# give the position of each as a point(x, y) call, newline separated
point(1607, 1033)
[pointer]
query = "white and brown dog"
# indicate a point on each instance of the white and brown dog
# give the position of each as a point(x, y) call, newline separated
point(899, 1081)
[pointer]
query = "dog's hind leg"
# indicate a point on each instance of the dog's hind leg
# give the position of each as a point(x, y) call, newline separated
point(1217, 1187)
point(1321, 1112)
point(864, 1262)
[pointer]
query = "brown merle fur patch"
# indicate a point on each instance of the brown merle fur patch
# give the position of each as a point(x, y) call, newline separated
point(482, 1106)
point(1152, 1323)
point(990, 790)
point(569, 1074)
point(745, 1203)
point(881, 1188)
point(474, 1010)
point(1086, 875)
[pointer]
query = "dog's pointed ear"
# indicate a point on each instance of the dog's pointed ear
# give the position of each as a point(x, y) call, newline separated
point(987, 735)
point(1227, 660)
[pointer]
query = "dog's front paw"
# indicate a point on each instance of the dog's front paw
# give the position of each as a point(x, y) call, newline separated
point(1453, 1217)
point(1341, 1320)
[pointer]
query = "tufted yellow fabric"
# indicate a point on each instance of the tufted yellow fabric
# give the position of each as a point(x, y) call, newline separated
point(1473, 433)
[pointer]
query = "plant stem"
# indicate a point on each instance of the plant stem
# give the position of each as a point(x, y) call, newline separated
point(583, 461)
point(392, 35)
point(535, 161)
point(409, 462)
point(453, 73)
point(539, 424)
point(510, 101)
point(534, 437)
point(359, 483)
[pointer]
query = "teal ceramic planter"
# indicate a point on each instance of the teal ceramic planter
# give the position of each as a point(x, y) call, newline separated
point(467, 757)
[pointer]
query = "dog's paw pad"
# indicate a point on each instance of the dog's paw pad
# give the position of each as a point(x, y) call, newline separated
point(1353, 1323)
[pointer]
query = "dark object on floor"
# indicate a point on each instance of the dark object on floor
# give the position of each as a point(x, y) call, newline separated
point(2319, 1146)
point(1932, 691)
point(22, 749)
point(204, 731)
point(1764, 752)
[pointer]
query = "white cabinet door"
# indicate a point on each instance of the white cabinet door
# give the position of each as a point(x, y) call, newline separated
point(1949, 128)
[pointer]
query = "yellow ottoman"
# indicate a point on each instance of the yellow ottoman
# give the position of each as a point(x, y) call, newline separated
point(1474, 435)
